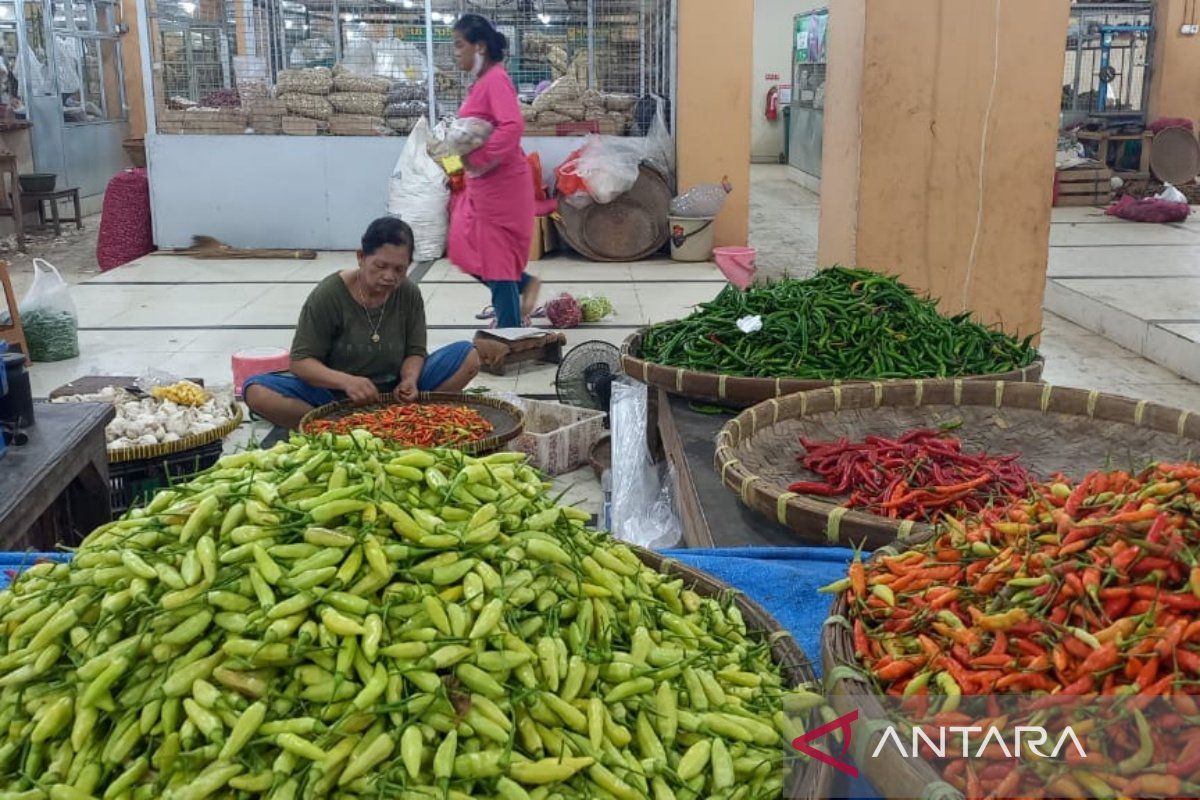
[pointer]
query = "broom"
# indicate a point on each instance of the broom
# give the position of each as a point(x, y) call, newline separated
point(207, 247)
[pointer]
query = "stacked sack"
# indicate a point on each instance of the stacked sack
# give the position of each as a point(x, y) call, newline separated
point(358, 103)
point(567, 101)
point(407, 102)
point(305, 94)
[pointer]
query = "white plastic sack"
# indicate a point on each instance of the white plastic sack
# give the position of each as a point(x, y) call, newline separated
point(609, 167)
point(399, 60)
point(643, 512)
point(1171, 194)
point(49, 317)
point(458, 137)
point(418, 194)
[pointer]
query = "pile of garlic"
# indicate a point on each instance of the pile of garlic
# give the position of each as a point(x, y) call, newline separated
point(150, 421)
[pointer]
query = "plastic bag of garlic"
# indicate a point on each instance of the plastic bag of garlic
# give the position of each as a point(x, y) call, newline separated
point(149, 421)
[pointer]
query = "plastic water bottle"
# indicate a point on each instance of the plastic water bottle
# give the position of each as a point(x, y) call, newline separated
point(703, 201)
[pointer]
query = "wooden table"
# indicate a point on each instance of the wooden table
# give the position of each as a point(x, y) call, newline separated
point(54, 489)
point(710, 513)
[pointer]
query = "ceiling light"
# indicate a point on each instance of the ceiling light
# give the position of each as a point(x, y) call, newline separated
point(544, 18)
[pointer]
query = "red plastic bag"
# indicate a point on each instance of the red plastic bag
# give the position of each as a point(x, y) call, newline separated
point(1148, 209)
point(567, 181)
point(535, 169)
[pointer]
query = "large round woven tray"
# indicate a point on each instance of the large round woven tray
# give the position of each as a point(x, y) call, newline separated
point(1052, 429)
point(507, 420)
point(740, 392)
point(807, 778)
point(847, 689)
point(148, 452)
point(630, 228)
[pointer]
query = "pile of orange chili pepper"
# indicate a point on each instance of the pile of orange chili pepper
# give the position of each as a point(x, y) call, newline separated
point(1083, 591)
point(920, 476)
point(416, 425)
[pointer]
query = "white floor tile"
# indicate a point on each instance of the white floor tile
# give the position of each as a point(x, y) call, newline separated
point(1127, 234)
point(1115, 262)
point(1162, 299)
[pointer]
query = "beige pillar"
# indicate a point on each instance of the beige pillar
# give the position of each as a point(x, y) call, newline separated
point(1175, 82)
point(940, 126)
point(716, 40)
point(131, 60)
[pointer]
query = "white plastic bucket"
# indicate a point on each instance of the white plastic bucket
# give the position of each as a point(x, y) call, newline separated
point(691, 238)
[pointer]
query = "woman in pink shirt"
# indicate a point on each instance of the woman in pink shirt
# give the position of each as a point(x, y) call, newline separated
point(491, 222)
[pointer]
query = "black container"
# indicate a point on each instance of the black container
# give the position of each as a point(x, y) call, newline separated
point(16, 407)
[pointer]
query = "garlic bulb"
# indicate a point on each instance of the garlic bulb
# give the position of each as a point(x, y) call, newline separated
point(147, 439)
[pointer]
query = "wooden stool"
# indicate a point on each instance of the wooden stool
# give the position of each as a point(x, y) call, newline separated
point(12, 333)
point(12, 196)
point(53, 198)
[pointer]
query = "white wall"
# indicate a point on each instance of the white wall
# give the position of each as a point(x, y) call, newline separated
point(313, 192)
point(772, 54)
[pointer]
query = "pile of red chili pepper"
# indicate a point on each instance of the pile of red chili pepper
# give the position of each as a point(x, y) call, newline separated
point(1082, 591)
point(920, 476)
point(415, 425)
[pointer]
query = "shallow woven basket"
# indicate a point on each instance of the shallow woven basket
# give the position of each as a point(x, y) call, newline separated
point(507, 420)
point(732, 390)
point(1052, 429)
point(145, 452)
point(807, 778)
point(847, 689)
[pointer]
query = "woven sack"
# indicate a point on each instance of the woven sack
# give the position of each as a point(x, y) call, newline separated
point(316, 80)
point(347, 80)
point(126, 233)
point(307, 105)
point(358, 103)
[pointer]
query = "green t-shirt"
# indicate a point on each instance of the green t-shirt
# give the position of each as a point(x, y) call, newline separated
point(334, 329)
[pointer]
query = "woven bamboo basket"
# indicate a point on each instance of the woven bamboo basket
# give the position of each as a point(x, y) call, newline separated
point(1052, 428)
point(507, 420)
point(149, 452)
point(848, 689)
point(807, 778)
point(739, 392)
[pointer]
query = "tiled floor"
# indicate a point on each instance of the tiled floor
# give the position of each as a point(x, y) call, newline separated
point(1137, 284)
point(188, 317)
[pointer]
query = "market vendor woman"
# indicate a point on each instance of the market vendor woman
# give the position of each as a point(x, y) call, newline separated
point(362, 333)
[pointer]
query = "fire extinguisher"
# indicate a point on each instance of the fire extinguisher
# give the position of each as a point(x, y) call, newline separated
point(773, 103)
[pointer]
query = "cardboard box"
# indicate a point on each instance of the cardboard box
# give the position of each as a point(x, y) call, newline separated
point(545, 238)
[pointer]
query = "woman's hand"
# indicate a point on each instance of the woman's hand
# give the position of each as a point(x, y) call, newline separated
point(406, 391)
point(359, 389)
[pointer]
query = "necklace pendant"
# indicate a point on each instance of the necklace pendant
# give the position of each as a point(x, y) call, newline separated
point(375, 338)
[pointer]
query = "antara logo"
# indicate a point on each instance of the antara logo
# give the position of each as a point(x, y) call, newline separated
point(1026, 739)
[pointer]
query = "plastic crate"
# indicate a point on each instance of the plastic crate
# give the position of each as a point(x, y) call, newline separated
point(135, 481)
point(558, 438)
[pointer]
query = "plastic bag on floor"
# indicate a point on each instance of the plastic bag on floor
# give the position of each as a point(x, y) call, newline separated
point(49, 317)
point(643, 510)
point(418, 194)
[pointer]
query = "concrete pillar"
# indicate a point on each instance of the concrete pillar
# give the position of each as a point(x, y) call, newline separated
point(713, 96)
point(1175, 82)
point(940, 126)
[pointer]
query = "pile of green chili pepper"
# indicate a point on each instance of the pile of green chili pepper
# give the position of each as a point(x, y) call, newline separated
point(847, 324)
point(1085, 591)
point(334, 618)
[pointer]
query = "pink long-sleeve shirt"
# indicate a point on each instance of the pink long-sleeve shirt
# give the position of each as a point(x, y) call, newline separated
point(491, 221)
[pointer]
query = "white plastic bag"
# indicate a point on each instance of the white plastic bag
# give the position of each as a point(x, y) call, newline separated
point(659, 147)
point(609, 167)
point(49, 317)
point(643, 511)
point(458, 137)
point(418, 194)
point(1171, 194)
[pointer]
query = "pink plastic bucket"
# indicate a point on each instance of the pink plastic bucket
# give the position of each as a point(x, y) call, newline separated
point(256, 361)
point(737, 264)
